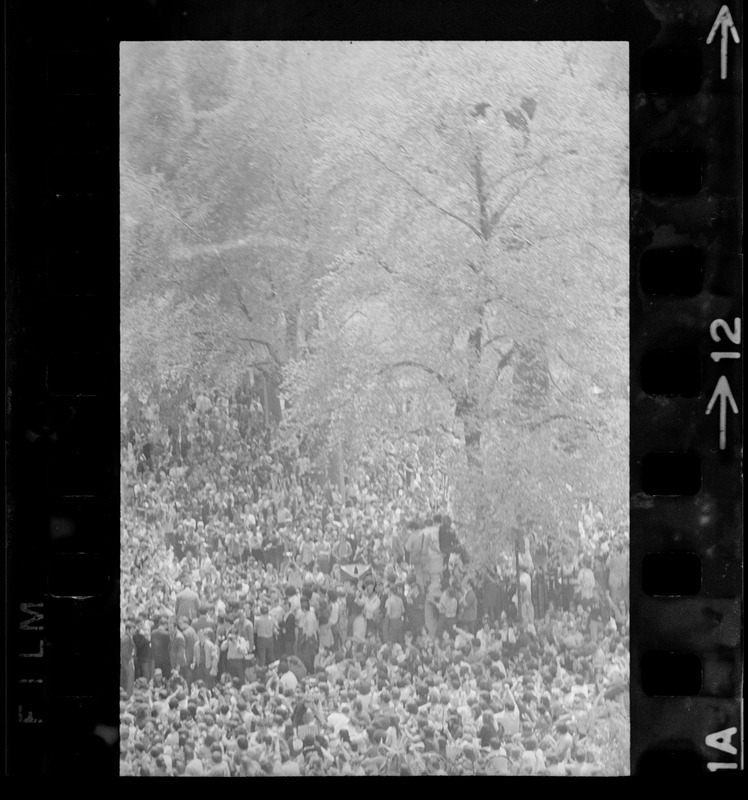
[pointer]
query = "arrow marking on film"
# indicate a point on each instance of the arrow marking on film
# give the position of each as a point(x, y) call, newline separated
point(722, 391)
point(723, 21)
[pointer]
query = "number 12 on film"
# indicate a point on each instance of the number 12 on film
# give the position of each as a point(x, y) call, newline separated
point(722, 396)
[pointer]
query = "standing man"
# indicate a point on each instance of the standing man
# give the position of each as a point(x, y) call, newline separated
point(143, 658)
point(126, 654)
point(416, 607)
point(177, 660)
point(468, 614)
point(394, 610)
point(190, 643)
point(447, 613)
point(205, 661)
point(288, 629)
point(307, 635)
point(265, 628)
point(237, 649)
point(188, 603)
point(161, 647)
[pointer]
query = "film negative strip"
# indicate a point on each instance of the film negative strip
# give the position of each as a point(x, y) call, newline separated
point(63, 617)
point(686, 429)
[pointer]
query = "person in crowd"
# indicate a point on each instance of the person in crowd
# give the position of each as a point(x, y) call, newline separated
point(447, 612)
point(394, 612)
point(468, 608)
point(236, 648)
point(265, 630)
point(307, 634)
point(177, 647)
point(187, 603)
point(161, 647)
point(143, 655)
point(126, 658)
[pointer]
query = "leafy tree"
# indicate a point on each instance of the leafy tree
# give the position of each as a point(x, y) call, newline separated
point(424, 242)
point(486, 257)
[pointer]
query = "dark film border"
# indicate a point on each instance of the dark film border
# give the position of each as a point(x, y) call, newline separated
point(62, 342)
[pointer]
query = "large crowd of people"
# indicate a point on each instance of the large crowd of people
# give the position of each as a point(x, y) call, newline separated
point(274, 624)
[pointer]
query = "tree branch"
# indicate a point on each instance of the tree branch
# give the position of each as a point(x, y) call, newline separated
point(535, 424)
point(502, 363)
point(495, 339)
point(424, 197)
point(263, 343)
point(504, 360)
point(237, 289)
point(417, 365)
point(505, 299)
point(497, 216)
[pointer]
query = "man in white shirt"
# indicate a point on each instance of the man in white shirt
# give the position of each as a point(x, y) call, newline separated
point(340, 719)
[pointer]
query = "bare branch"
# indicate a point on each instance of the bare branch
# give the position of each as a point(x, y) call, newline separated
point(519, 308)
point(495, 339)
point(353, 314)
point(502, 363)
point(497, 216)
point(425, 430)
point(424, 197)
point(269, 347)
point(423, 367)
point(535, 424)
point(505, 359)
point(237, 289)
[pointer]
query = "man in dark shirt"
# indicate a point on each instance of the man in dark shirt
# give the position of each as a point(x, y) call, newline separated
point(176, 648)
point(143, 660)
point(126, 653)
point(160, 641)
point(204, 620)
point(190, 642)
point(446, 536)
point(288, 629)
point(188, 603)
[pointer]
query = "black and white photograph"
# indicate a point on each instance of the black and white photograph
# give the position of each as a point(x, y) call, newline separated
point(374, 408)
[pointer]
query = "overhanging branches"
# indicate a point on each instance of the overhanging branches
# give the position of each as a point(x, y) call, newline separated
point(423, 367)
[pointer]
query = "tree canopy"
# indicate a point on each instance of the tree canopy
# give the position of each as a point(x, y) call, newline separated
point(421, 245)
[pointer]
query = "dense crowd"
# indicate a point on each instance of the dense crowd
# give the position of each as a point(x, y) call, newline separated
point(272, 626)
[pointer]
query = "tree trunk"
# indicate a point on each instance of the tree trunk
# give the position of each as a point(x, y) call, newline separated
point(292, 330)
point(468, 407)
point(271, 399)
point(336, 468)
